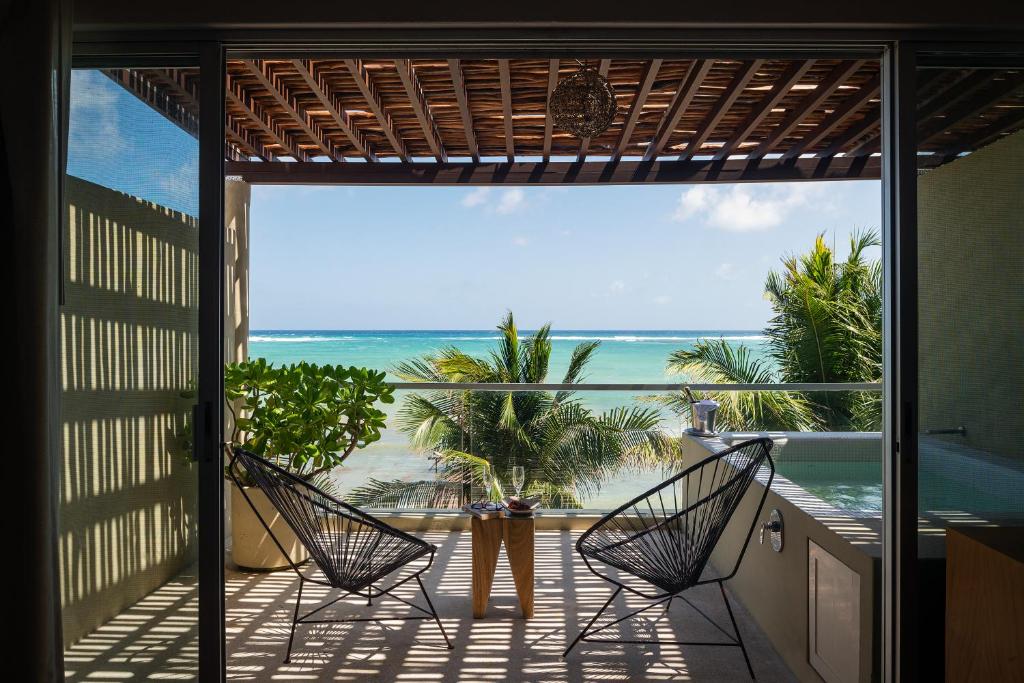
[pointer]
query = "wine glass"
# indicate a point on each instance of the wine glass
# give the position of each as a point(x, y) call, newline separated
point(518, 478)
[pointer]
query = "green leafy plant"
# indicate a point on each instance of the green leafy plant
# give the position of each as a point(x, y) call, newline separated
point(567, 449)
point(827, 327)
point(307, 418)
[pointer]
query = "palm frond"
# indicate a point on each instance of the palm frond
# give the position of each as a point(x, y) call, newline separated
point(398, 494)
point(715, 361)
point(506, 358)
point(581, 356)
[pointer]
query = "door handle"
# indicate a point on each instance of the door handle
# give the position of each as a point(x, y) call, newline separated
point(195, 432)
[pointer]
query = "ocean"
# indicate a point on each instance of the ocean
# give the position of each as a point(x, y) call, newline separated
point(626, 356)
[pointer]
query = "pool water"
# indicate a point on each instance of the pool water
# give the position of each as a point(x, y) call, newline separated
point(949, 483)
point(849, 485)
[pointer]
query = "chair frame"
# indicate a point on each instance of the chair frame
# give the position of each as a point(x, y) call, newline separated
point(372, 592)
point(665, 597)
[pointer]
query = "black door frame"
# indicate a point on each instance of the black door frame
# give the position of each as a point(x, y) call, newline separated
point(210, 408)
point(899, 52)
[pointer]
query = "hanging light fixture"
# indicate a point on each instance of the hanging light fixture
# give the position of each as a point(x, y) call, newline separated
point(583, 103)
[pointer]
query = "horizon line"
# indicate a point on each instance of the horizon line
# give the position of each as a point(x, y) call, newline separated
point(492, 329)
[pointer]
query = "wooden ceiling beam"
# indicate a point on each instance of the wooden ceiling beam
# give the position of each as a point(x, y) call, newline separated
point(250, 113)
point(1001, 126)
point(602, 68)
point(837, 77)
point(721, 107)
point(505, 82)
point(418, 100)
point(961, 88)
point(558, 172)
point(364, 82)
point(850, 106)
point(970, 108)
point(688, 87)
point(782, 86)
point(258, 71)
point(305, 68)
point(850, 135)
point(462, 98)
point(553, 66)
point(647, 78)
point(238, 138)
point(147, 89)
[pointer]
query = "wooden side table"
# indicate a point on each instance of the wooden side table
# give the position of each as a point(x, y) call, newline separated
point(489, 532)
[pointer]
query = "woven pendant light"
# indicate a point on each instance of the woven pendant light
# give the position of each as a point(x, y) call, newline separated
point(583, 103)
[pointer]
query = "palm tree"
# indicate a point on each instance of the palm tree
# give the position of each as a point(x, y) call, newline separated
point(827, 328)
point(566, 449)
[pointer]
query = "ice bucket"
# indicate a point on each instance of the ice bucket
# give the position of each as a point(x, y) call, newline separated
point(703, 415)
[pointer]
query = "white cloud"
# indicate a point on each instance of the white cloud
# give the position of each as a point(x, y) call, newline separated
point(617, 286)
point(476, 197)
point(508, 201)
point(95, 117)
point(726, 271)
point(743, 208)
point(511, 200)
point(662, 299)
point(520, 241)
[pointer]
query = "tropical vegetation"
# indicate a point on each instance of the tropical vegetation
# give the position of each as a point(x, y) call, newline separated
point(827, 327)
point(566, 448)
point(307, 418)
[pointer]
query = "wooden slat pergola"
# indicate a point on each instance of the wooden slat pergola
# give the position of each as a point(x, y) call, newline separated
point(410, 121)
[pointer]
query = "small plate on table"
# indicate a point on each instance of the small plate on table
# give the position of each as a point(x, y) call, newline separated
point(696, 432)
point(516, 507)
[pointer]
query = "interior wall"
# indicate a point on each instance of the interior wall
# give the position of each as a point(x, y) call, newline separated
point(971, 266)
point(129, 355)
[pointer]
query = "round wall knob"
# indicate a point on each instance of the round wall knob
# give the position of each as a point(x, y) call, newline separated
point(773, 529)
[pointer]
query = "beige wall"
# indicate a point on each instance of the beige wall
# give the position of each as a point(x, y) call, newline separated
point(128, 351)
point(971, 269)
point(237, 199)
point(773, 586)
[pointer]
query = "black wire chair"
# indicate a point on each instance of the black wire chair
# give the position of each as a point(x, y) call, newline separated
point(352, 549)
point(665, 536)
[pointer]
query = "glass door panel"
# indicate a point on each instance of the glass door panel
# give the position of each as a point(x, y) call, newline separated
point(129, 357)
point(970, 153)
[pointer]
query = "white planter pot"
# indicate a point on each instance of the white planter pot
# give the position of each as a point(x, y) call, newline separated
point(251, 545)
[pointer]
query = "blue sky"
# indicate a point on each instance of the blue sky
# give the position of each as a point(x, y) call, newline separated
point(118, 141)
point(613, 257)
point(609, 257)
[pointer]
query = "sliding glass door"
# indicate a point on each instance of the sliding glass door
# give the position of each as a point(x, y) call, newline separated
point(131, 350)
point(970, 312)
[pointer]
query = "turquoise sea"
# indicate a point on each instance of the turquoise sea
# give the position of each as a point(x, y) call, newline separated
point(626, 356)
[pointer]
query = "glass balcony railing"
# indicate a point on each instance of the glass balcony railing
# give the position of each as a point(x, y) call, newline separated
point(595, 446)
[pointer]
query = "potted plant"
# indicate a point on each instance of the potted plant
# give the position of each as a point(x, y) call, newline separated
point(306, 418)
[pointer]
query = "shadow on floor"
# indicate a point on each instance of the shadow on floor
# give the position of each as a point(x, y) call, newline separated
point(156, 637)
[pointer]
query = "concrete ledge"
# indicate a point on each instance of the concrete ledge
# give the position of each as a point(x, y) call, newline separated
point(774, 586)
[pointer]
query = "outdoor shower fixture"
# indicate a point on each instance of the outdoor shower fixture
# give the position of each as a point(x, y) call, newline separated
point(773, 527)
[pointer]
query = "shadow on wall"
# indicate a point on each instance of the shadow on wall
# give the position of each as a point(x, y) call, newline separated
point(129, 354)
